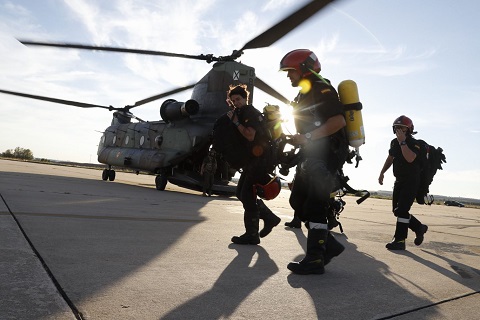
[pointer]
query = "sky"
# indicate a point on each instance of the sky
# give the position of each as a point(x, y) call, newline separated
point(409, 57)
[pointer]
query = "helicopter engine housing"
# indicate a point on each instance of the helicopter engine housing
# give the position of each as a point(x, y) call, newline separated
point(172, 110)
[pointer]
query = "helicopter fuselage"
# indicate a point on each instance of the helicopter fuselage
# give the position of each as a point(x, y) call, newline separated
point(152, 146)
point(185, 130)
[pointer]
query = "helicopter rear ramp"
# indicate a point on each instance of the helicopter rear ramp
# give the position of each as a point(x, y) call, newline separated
point(224, 188)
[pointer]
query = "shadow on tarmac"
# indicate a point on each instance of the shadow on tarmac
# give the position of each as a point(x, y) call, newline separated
point(363, 280)
point(84, 232)
point(213, 304)
point(87, 233)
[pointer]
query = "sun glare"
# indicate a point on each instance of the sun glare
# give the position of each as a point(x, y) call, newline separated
point(288, 123)
point(305, 85)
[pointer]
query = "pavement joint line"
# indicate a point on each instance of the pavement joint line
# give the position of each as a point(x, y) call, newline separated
point(430, 305)
point(78, 315)
point(429, 230)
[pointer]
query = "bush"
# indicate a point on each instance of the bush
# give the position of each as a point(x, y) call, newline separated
point(18, 153)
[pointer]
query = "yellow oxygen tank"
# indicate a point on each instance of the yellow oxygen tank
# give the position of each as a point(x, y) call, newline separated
point(348, 93)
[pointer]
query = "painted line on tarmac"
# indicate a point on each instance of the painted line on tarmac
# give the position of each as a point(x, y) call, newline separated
point(78, 315)
point(81, 216)
point(430, 305)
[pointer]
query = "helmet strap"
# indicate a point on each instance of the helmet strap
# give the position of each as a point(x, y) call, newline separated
point(319, 76)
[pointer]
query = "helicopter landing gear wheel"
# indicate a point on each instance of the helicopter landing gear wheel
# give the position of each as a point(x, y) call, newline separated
point(161, 182)
point(108, 174)
point(111, 175)
point(105, 174)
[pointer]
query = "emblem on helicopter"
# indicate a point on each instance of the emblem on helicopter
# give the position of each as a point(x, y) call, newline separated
point(236, 75)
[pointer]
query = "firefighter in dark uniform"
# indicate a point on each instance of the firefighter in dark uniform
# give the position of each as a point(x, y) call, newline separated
point(320, 121)
point(248, 122)
point(207, 170)
point(403, 154)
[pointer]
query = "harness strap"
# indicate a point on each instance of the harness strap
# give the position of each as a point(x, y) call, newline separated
point(350, 190)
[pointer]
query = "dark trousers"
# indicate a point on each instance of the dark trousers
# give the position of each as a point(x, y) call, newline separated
point(245, 192)
point(404, 192)
point(254, 172)
point(311, 191)
point(208, 182)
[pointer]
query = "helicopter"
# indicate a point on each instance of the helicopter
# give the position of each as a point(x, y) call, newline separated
point(173, 148)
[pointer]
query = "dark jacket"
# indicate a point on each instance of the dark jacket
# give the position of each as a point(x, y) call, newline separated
point(249, 116)
point(314, 108)
point(403, 170)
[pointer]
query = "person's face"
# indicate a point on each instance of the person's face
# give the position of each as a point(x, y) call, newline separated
point(401, 128)
point(294, 77)
point(238, 101)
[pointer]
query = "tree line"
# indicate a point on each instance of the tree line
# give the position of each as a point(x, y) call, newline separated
point(18, 153)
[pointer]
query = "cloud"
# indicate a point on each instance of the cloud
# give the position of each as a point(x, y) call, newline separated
point(276, 4)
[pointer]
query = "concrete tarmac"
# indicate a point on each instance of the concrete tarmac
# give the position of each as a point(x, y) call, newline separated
point(75, 247)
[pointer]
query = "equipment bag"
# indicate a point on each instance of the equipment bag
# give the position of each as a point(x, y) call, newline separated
point(432, 159)
point(230, 143)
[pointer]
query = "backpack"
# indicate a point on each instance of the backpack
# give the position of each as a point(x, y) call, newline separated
point(229, 142)
point(431, 161)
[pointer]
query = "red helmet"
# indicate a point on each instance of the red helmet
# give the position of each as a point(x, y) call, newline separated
point(403, 121)
point(270, 190)
point(302, 60)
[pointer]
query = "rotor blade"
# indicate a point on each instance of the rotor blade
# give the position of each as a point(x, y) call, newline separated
point(114, 49)
point(161, 95)
point(286, 25)
point(60, 101)
point(269, 90)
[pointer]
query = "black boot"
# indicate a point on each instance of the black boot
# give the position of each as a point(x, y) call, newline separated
point(398, 242)
point(314, 260)
point(419, 229)
point(295, 223)
point(333, 248)
point(250, 219)
point(420, 234)
point(270, 220)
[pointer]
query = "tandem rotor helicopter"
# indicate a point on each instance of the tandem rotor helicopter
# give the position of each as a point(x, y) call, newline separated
point(174, 147)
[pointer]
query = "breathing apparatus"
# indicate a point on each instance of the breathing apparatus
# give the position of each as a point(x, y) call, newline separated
point(348, 93)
